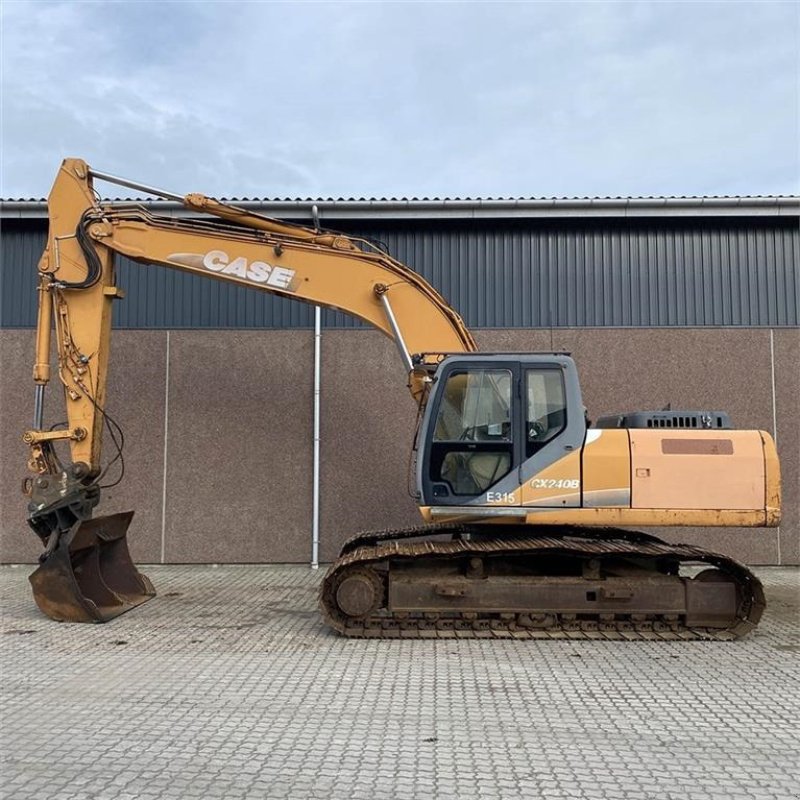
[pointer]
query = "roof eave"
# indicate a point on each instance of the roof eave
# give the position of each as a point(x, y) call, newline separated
point(552, 208)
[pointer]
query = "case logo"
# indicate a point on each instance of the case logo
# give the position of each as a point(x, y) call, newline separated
point(256, 271)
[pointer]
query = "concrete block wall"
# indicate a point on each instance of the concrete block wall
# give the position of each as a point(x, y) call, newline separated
point(218, 427)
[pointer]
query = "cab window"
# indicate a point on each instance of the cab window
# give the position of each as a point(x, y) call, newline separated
point(476, 406)
point(546, 408)
point(472, 439)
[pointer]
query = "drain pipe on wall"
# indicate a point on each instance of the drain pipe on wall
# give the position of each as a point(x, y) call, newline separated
point(317, 376)
point(315, 502)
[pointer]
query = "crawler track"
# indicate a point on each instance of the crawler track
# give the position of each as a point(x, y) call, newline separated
point(376, 558)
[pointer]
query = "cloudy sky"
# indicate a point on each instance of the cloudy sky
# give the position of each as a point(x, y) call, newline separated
point(307, 99)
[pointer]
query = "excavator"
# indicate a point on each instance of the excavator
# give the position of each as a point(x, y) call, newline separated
point(530, 512)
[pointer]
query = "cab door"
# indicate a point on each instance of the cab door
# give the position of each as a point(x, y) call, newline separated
point(474, 450)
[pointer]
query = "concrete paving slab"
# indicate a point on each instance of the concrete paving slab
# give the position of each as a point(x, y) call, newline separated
point(228, 685)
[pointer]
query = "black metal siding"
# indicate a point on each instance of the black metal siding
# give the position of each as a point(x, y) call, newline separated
point(523, 273)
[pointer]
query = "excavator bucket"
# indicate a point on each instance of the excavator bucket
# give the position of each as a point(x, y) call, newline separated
point(89, 576)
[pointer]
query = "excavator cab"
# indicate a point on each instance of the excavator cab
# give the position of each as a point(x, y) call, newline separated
point(494, 421)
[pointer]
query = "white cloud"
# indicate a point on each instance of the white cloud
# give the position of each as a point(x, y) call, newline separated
point(360, 99)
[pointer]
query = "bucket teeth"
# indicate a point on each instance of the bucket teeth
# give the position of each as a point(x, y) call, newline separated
point(89, 576)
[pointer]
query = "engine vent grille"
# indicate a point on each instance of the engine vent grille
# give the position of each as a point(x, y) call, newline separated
point(693, 420)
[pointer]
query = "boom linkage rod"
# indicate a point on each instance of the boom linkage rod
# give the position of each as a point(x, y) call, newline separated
point(398, 335)
point(142, 187)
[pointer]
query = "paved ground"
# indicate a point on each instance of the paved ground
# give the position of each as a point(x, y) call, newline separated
point(228, 686)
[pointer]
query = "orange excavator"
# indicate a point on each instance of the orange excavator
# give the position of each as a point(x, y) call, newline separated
point(528, 508)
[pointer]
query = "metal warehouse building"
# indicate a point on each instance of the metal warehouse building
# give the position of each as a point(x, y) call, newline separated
point(693, 302)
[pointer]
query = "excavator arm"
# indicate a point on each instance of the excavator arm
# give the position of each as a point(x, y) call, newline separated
point(77, 289)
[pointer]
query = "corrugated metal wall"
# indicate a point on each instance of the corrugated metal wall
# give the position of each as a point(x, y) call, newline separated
point(522, 273)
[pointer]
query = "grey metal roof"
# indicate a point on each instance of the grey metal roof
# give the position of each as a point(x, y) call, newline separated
point(467, 208)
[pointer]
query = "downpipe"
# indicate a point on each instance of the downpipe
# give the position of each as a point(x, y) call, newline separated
point(317, 391)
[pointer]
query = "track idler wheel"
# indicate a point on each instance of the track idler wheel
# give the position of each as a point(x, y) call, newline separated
point(89, 576)
point(359, 592)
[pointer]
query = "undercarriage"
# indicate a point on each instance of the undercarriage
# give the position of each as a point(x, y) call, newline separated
point(489, 581)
